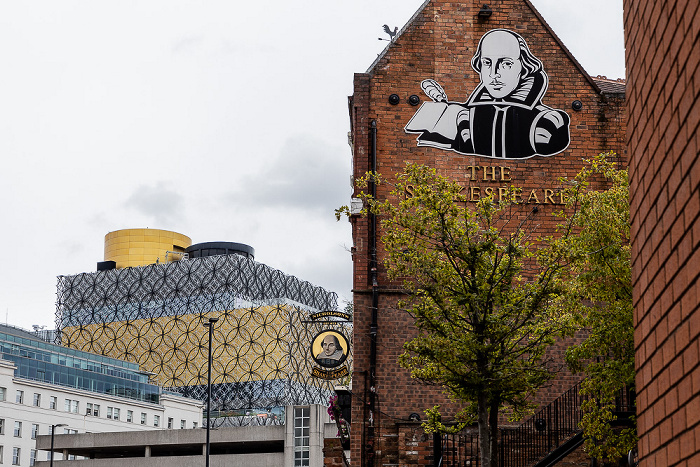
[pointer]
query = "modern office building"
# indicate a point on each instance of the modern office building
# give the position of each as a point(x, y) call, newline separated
point(43, 385)
point(153, 293)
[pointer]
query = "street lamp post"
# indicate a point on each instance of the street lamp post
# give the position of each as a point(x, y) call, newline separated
point(53, 431)
point(209, 325)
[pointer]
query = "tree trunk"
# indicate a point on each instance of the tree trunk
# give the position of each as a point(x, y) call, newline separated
point(484, 432)
point(493, 427)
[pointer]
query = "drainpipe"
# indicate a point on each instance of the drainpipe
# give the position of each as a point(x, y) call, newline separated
point(372, 396)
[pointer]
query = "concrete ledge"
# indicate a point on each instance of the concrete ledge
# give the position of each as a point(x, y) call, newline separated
point(224, 460)
point(130, 439)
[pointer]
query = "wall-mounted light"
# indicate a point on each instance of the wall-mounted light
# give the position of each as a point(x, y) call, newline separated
point(577, 105)
point(485, 12)
point(414, 99)
point(540, 424)
point(356, 205)
point(394, 99)
point(414, 417)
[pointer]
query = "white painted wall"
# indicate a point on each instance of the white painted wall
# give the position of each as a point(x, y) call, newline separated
point(176, 407)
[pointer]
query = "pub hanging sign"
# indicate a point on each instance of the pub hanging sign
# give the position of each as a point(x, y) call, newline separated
point(330, 347)
point(329, 350)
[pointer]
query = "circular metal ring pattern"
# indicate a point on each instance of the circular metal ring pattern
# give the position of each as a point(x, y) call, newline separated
point(153, 316)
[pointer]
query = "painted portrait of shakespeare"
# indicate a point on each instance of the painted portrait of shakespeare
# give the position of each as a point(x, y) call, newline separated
point(504, 116)
point(328, 350)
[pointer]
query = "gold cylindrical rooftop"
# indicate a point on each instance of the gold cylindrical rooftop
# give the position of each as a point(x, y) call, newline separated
point(140, 247)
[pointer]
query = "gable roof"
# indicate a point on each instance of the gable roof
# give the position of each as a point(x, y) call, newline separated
point(563, 47)
point(610, 86)
point(591, 81)
point(398, 34)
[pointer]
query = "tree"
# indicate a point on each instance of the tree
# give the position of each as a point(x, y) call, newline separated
point(597, 293)
point(480, 294)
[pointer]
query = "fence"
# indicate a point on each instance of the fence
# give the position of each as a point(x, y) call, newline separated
point(547, 430)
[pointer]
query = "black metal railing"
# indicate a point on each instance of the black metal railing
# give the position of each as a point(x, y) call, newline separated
point(548, 428)
point(553, 428)
point(459, 450)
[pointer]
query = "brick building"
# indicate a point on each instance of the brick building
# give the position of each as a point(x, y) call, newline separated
point(439, 43)
point(663, 66)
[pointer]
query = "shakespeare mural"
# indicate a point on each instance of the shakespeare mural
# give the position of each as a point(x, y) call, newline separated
point(504, 116)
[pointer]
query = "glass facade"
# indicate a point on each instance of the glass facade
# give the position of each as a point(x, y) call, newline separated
point(41, 361)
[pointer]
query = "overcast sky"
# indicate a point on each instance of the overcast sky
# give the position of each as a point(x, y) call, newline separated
point(220, 120)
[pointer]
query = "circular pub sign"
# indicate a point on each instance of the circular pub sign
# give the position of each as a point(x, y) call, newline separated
point(329, 348)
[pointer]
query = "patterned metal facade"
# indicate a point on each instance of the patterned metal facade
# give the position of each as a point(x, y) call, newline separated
point(153, 315)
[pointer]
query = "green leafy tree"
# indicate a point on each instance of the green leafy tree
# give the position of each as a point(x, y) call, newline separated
point(480, 293)
point(597, 292)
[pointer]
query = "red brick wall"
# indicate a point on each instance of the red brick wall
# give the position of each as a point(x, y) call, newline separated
point(439, 44)
point(663, 55)
point(332, 453)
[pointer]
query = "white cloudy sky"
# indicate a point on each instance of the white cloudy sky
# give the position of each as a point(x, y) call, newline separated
point(221, 120)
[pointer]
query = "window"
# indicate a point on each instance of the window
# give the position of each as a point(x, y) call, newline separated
point(113, 413)
point(2, 427)
point(3, 392)
point(18, 429)
point(0, 454)
point(15, 456)
point(170, 423)
point(19, 398)
point(129, 416)
point(301, 436)
point(71, 406)
point(92, 409)
point(35, 430)
point(183, 424)
point(156, 420)
point(53, 402)
point(37, 400)
point(194, 424)
point(32, 457)
point(143, 418)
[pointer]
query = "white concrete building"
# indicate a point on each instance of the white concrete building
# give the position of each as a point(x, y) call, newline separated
point(42, 385)
point(299, 441)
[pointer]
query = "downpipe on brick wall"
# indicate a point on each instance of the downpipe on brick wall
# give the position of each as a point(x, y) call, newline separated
point(372, 396)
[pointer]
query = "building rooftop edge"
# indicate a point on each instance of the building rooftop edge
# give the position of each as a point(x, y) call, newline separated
point(593, 81)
